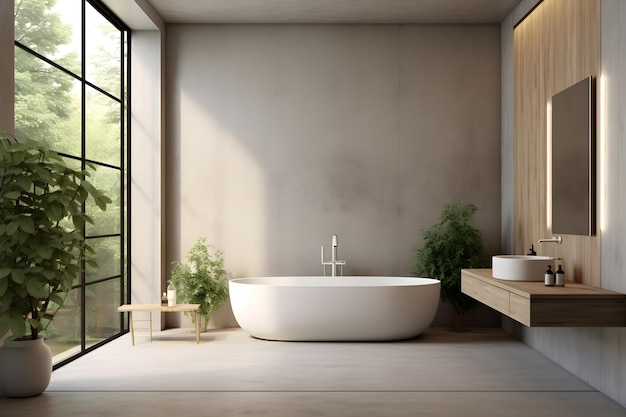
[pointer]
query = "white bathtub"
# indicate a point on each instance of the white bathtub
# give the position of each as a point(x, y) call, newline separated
point(334, 309)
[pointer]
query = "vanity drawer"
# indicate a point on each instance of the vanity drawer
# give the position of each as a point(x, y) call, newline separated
point(494, 297)
point(519, 309)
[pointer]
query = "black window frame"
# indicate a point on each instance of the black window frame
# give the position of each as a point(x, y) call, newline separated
point(124, 168)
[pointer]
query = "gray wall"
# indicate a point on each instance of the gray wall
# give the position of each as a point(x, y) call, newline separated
point(147, 183)
point(597, 356)
point(280, 136)
point(609, 343)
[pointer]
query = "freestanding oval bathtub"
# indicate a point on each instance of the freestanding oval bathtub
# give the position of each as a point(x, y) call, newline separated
point(334, 308)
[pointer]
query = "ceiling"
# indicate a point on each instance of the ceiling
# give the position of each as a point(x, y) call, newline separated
point(333, 11)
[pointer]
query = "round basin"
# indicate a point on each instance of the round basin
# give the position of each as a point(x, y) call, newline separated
point(521, 267)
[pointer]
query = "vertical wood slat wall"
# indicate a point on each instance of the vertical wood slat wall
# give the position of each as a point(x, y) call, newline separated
point(555, 46)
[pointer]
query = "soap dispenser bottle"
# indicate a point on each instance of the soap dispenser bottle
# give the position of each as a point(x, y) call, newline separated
point(560, 277)
point(549, 277)
point(171, 294)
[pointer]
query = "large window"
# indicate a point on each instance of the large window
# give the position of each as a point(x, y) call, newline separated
point(71, 89)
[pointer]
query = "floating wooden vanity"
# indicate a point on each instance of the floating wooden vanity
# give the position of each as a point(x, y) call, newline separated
point(534, 304)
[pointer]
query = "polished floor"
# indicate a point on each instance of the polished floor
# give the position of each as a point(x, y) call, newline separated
point(480, 372)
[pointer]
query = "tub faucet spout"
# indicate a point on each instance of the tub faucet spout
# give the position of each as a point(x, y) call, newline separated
point(333, 258)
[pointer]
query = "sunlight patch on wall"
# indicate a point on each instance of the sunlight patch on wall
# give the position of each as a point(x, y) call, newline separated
point(222, 189)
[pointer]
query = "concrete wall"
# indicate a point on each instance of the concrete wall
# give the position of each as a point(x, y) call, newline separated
point(280, 136)
point(596, 356)
point(146, 153)
point(146, 186)
point(609, 343)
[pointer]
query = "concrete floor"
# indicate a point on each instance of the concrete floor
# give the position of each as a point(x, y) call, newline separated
point(480, 372)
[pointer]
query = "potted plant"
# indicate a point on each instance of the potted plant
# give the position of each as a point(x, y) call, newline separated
point(450, 245)
point(42, 249)
point(202, 280)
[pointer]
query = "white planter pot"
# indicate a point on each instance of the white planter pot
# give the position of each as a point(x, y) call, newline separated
point(25, 367)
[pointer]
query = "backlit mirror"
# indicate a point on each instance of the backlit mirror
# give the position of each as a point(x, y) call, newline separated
point(573, 160)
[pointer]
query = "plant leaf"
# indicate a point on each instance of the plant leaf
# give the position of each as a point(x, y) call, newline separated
point(57, 299)
point(27, 225)
point(36, 288)
point(4, 284)
point(44, 251)
point(17, 276)
point(12, 195)
point(12, 227)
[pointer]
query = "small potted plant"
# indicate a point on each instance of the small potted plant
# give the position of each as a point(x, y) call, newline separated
point(202, 279)
point(450, 245)
point(42, 249)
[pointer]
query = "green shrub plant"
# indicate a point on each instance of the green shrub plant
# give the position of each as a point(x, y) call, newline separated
point(451, 244)
point(202, 279)
point(42, 244)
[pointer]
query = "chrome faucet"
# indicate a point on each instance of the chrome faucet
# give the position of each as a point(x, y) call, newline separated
point(333, 258)
point(555, 239)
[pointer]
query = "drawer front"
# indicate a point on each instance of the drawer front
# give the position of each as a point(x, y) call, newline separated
point(488, 294)
point(520, 309)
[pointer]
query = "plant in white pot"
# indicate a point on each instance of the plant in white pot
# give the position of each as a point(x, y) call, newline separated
point(42, 250)
point(202, 279)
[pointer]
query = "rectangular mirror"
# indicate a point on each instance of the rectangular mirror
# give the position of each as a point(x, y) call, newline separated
point(573, 159)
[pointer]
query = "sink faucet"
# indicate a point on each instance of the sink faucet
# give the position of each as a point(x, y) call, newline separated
point(555, 239)
point(333, 258)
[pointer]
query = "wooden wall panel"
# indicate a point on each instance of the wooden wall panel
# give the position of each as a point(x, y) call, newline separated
point(555, 46)
point(529, 142)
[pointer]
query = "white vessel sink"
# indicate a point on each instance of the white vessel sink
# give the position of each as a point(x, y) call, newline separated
point(521, 267)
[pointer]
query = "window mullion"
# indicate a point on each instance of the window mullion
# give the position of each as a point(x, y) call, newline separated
point(83, 99)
